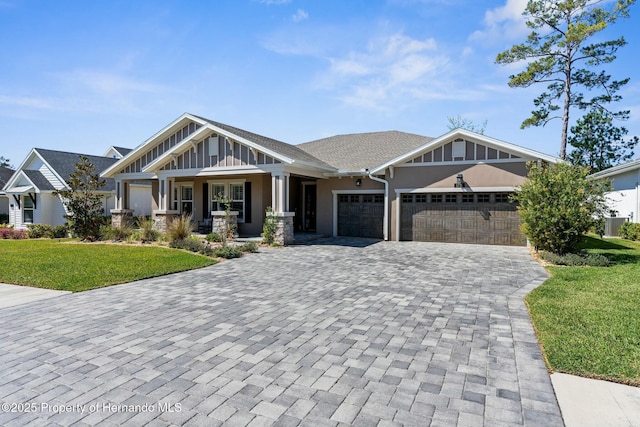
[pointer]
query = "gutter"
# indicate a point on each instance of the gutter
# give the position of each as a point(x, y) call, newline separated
point(385, 224)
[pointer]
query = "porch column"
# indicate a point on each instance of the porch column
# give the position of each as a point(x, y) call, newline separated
point(280, 205)
point(164, 215)
point(121, 215)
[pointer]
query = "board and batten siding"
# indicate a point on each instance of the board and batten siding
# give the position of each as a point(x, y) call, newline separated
point(461, 150)
point(229, 153)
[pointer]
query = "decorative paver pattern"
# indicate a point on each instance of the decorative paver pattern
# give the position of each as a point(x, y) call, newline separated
point(339, 332)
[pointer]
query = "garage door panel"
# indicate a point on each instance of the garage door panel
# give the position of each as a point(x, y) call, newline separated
point(361, 215)
point(482, 222)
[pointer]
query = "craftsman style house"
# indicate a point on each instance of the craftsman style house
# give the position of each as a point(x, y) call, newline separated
point(388, 185)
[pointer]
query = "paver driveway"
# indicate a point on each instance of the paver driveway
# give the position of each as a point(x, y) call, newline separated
point(324, 334)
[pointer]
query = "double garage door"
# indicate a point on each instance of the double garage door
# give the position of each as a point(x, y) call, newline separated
point(483, 218)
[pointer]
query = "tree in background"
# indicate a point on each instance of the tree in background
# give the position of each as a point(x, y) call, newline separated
point(598, 143)
point(5, 162)
point(82, 203)
point(558, 204)
point(460, 122)
point(557, 53)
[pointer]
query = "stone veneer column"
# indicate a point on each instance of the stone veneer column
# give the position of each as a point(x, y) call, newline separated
point(121, 217)
point(220, 217)
point(161, 219)
point(284, 227)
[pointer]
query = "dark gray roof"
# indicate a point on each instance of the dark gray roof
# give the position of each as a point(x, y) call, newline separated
point(39, 180)
point(5, 174)
point(358, 151)
point(287, 150)
point(123, 151)
point(64, 163)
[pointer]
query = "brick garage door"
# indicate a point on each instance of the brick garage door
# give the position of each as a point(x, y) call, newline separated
point(360, 215)
point(484, 218)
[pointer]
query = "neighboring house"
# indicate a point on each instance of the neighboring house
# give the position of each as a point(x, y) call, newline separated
point(391, 185)
point(5, 174)
point(624, 200)
point(31, 187)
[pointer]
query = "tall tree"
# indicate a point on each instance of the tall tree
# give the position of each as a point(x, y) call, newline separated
point(83, 204)
point(598, 143)
point(468, 124)
point(557, 52)
point(5, 162)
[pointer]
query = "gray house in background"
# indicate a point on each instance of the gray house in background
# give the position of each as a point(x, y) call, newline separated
point(5, 175)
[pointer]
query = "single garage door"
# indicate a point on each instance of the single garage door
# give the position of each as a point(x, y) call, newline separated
point(360, 215)
point(484, 218)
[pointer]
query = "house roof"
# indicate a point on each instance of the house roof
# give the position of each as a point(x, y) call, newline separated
point(5, 174)
point(64, 164)
point(617, 170)
point(290, 151)
point(39, 180)
point(359, 151)
point(122, 150)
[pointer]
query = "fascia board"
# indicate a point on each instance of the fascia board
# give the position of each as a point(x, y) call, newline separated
point(110, 171)
point(185, 143)
point(492, 142)
point(616, 170)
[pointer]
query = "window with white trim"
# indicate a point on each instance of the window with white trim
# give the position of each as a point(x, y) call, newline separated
point(182, 198)
point(232, 190)
point(27, 210)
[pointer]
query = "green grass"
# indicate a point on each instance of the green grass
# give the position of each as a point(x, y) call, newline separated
point(588, 318)
point(72, 266)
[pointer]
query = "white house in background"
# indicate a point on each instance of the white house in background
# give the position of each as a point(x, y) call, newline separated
point(624, 200)
point(30, 190)
point(5, 175)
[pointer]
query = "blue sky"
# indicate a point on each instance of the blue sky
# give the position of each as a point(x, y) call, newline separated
point(84, 75)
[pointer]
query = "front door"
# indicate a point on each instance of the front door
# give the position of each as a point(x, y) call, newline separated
point(309, 206)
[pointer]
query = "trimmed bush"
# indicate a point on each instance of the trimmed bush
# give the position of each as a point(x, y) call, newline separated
point(576, 259)
point(189, 244)
point(147, 231)
point(10, 233)
point(38, 231)
point(630, 231)
point(251, 247)
point(228, 252)
point(4, 218)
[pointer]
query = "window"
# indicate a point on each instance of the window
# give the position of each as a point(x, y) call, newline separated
point(436, 198)
point(175, 199)
point(234, 192)
point(421, 198)
point(27, 210)
point(502, 198)
point(378, 198)
point(483, 198)
point(186, 194)
point(450, 198)
point(407, 198)
point(467, 198)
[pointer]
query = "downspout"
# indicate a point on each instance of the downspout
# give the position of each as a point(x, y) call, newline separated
point(385, 224)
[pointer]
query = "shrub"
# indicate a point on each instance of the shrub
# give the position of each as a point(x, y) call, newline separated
point(10, 233)
point(122, 233)
point(558, 204)
point(147, 229)
point(269, 227)
point(630, 231)
point(249, 247)
point(576, 259)
point(180, 227)
point(214, 237)
point(60, 231)
point(228, 252)
point(189, 244)
point(4, 218)
point(38, 231)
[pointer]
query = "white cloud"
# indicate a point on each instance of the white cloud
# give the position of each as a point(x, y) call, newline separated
point(107, 83)
point(300, 16)
point(28, 102)
point(504, 22)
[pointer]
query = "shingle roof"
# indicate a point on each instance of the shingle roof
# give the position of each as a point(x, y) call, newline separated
point(5, 174)
point(287, 150)
point(359, 151)
point(122, 150)
point(39, 180)
point(64, 163)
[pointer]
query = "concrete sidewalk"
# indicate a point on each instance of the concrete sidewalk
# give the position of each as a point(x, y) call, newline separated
point(586, 402)
point(12, 295)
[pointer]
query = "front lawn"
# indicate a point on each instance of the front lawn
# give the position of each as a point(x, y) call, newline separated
point(72, 266)
point(588, 318)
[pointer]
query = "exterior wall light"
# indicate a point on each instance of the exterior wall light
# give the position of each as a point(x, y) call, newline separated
point(358, 182)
